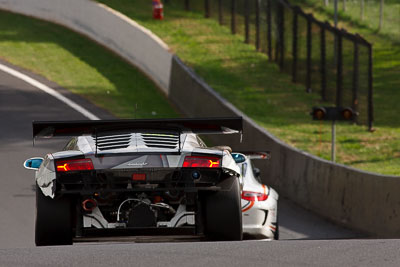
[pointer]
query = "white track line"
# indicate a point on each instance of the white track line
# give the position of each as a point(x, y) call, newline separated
point(49, 91)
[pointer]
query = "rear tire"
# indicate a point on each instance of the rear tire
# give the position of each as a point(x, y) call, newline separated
point(53, 224)
point(276, 234)
point(223, 214)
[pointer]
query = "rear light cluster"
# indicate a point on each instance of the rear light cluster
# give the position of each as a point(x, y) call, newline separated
point(139, 177)
point(201, 162)
point(74, 165)
point(254, 196)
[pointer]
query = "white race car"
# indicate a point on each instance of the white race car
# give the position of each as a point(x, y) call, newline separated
point(136, 177)
point(259, 202)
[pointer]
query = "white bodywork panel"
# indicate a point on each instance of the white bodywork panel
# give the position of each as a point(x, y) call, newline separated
point(46, 175)
point(95, 219)
point(182, 217)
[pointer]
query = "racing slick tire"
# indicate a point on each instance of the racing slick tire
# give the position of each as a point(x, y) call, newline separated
point(276, 234)
point(223, 214)
point(53, 224)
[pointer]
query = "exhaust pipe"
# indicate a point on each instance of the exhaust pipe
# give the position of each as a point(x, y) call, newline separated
point(89, 204)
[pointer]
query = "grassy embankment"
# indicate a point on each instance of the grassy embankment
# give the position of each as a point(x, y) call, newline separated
point(257, 88)
point(83, 67)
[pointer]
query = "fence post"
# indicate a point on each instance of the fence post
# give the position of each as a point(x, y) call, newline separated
point(233, 16)
point(269, 33)
point(294, 45)
point(220, 14)
point(281, 36)
point(278, 35)
point(356, 75)
point(206, 8)
point(277, 41)
point(339, 71)
point(309, 51)
point(246, 21)
point(323, 62)
point(370, 90)
point(258, 25)
point(187, 5)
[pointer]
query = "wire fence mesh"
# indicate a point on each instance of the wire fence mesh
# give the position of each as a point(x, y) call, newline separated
point(377, 15)
point(329, 61)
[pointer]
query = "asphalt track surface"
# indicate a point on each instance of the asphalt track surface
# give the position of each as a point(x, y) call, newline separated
point(306, 240)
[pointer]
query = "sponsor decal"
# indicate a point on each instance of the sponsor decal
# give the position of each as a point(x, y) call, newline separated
point(137, 164)
point(247, 207)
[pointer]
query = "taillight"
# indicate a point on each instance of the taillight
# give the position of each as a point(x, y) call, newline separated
point(202, 162)
point(139, 177)
point(74, 165)
point(254, 196)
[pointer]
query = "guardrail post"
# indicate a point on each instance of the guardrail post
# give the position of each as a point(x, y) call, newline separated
point(258, 25)
point(294, 45)
point(269, 33)
point(309, 51)
point(356, 75)
point(206, 8)
point(233, 16)
point(339, 70)
point(246, 21)
point(323, 63)
point(220, 13)
point(370, 90)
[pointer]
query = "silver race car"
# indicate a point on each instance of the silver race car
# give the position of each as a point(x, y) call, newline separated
point(259, 202)
point(136, 177)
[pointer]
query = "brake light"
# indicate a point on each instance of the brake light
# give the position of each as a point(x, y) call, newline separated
point(202, 162)
point(254, 196)
point(74, 165)
point(139, 177)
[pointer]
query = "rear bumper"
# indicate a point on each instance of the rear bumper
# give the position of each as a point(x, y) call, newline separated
point(255, 224)
point(127, 190)
point(121, 181)
point(259, 222)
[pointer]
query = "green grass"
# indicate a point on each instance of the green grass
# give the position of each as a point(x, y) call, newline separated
point(256, 87)
point(369, 24)
point(81, 66)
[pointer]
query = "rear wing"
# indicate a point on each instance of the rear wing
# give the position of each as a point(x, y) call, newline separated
point(48, 129)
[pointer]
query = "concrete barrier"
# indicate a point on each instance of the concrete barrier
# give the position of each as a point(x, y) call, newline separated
point(356, 199)
point(123, 36)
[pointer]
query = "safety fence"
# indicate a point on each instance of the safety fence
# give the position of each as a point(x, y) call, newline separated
point(381, 16)
point(327, 60)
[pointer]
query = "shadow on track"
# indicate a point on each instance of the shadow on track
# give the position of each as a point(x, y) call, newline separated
point(298, 223)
